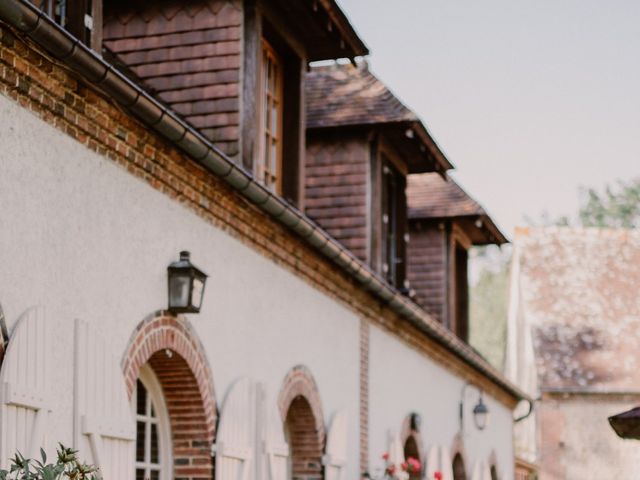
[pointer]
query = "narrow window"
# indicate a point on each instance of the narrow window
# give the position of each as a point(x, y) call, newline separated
point(269, 163)
point(461, 293)
point(152, 437)
point(393, 225)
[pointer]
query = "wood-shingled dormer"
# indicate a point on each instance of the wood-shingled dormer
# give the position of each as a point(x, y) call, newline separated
point(234, 69)
point(362, 142)
point(444, 223)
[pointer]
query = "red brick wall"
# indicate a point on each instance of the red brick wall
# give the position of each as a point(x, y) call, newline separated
point(189, 55)
point(336, 178)
point(177, 358)
point(426, 255)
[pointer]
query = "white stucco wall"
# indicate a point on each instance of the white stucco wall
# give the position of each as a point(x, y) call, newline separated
point(84, 238)
point(403, 380)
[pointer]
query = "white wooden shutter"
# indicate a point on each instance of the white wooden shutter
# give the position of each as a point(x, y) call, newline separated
point(25, 388)
point(274, 444)
point(433, 461)
point(104, 426)
point(335, 458)
point(235, 446)
point(396, 450)
point(486, 472)
point(446, 467)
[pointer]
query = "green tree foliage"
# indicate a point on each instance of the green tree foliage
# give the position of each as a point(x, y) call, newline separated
point(617, 207)
point(488, 304)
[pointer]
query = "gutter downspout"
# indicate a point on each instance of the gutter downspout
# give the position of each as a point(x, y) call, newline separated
point(27, 19)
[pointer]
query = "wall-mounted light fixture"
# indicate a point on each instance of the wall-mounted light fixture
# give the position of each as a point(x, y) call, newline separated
point(415, 420)
point(480, 410)
point(186, 285)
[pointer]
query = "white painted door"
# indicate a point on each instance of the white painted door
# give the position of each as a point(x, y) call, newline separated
point(446, 467)
point(275, 450)
point(25, 388)
point(236, 436)
point(335, 458)
point(104, 426)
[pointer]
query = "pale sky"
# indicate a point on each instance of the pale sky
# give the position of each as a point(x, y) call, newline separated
point(528, 99)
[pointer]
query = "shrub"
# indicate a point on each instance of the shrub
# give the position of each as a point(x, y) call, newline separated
point(67, 466)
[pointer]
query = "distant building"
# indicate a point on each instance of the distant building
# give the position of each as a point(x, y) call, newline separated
point(572, 342)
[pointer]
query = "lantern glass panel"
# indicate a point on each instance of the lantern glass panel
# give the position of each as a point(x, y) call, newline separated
point(198, 292)
point(179, 287)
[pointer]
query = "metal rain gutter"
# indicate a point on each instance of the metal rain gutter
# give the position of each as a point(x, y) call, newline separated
point(26, 18)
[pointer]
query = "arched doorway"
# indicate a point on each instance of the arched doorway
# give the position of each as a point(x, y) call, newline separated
point(459, 472)
point(299, 403)
point(167, 374)
point(411, 450)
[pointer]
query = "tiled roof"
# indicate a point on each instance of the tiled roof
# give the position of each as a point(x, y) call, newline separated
point(431, 196)
point(344, 95)
point(340, 95)
point(579, 293)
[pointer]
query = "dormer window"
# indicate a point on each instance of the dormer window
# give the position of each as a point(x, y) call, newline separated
point(268, 165)
point(78, 17)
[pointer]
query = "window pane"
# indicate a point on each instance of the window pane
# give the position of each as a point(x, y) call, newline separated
point(155, 475)
point(141, 399)
point(140, 474)
point(140, 441)
point(154, 443)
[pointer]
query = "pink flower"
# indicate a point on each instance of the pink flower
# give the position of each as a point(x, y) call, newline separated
point(385, 456)
point(391, 469)
point(414, 465)
point(404, 466)
point(438, 475)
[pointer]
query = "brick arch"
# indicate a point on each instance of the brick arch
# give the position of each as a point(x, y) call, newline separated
point(457, 450)
point(301, 412)
point(412, 439)
point(171, 348)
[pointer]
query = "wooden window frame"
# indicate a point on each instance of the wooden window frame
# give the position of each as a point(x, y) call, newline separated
point(459, 284)
point(396, 275)
point(155, 398)
point(75, 19)
point(260, 165)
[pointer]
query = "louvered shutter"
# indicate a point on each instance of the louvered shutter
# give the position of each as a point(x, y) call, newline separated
point(24, 388)
point(274, 444)
point(486, 472)
point(446, 467)
point(234, 448)
point(335, 458)
point(104, 423)
point(433, 461)
point(396, 451)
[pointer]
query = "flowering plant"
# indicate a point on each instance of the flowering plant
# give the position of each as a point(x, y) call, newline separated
point(402, 471)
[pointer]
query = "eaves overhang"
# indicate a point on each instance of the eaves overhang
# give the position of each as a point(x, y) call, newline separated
point(28, 20)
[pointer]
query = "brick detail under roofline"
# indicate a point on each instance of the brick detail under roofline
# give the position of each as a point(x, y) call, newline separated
point(177, 358)
point(364, 395)
point(46, 88)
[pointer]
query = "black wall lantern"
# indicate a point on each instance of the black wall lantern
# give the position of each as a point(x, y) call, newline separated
point(186, 286)
point(480, 410)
